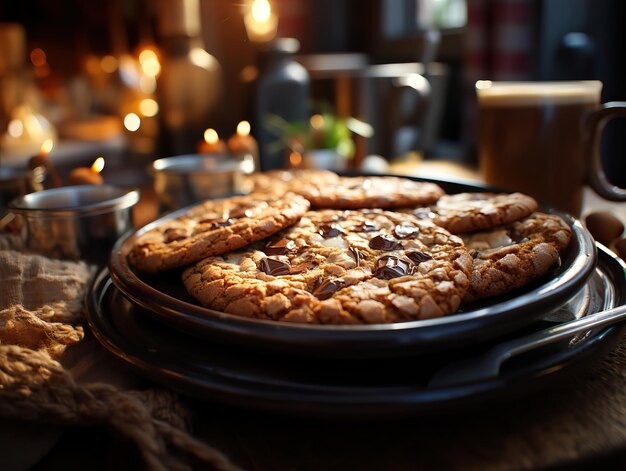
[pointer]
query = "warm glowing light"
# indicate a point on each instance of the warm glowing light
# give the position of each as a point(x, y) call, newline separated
point(261, 10)
point(210, 136)
point(98, 165)
point(132, 122)
point(212, 144)
point(147, 84)
point(483, 84)
point(149, 63)
point(38, 57)
point(247, 164)
point(147, 55)
point(260, 21)
point(201, 58)
point(15, 128)
point(108, 64)
point(148, 107)
point(295, 159)
point(243, 128)
point(87, 175)
point(317, 121)
point(151, 68)
point(46, 147)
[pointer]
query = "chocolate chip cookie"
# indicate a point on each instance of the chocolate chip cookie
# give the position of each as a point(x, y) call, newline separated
point(339, 267)
point(509, 257)
point(212, 228)
point(278, 182)
point(466, 212)
point(370, 192)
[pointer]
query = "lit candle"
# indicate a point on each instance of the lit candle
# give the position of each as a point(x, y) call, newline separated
point(261, 23)
point(88, 175)
point(242, 144)
point(42, 160)
point(212, 144)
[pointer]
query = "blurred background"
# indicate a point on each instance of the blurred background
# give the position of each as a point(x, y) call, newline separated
point(135, 80)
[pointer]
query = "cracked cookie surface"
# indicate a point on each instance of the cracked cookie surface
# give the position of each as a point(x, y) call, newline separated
point(466, 212)
point(339, 267)
point(509, 257)
point(214, 227)
point(278, 182)
point(370, 192)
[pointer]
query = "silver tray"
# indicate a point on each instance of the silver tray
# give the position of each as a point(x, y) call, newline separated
point(165, 298)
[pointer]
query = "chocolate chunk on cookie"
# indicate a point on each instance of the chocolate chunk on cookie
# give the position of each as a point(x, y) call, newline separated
point(509, 257)
point(212, 228)
point(339, 267)
point(370, 192)
point(466, 212)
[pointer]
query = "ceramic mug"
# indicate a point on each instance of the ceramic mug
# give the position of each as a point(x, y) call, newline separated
point(542, 138)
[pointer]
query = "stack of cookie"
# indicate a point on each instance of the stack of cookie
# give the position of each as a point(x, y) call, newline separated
point(315, 247)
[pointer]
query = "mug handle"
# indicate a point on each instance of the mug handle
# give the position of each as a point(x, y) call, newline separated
point(595, 122)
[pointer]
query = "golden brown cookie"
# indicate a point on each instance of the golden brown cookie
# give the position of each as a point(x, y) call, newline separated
point(370, 192)
point(509, 257)
point(466, 212)
point(339, 267)
point(212, 228)
point(278, 182)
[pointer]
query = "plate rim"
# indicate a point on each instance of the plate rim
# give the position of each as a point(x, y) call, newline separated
point(187, 316)
point(415, 399)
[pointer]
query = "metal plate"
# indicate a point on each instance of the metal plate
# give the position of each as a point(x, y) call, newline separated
point(164, 296)
point(339, 387)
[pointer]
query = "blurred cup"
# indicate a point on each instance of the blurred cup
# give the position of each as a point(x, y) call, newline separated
point(75, 222)
point(542, 139)
point(182, 180)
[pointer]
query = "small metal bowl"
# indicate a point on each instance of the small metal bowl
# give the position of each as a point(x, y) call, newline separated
point(182, 180)
point(75, 222)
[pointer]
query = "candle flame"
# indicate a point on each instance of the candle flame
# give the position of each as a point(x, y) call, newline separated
point(98, 165)
point(243, 128)
point(132, 122)
point(46, 147)
point(149, 62)
point(210, 136)
point(260, 21)
point(148, 107)
point(261, 10)
point(295, 159)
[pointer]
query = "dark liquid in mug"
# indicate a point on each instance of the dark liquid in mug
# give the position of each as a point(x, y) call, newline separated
point(536, 149)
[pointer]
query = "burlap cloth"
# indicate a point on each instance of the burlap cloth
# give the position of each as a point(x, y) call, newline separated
point(40, 358)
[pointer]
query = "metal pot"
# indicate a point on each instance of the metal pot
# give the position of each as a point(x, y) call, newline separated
point(75, 222)
point(186, 179)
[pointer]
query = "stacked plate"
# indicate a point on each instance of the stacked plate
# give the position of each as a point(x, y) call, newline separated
point(153, 324)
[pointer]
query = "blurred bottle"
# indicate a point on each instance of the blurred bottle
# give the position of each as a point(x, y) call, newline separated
point(190, 82)
point(282, 93)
